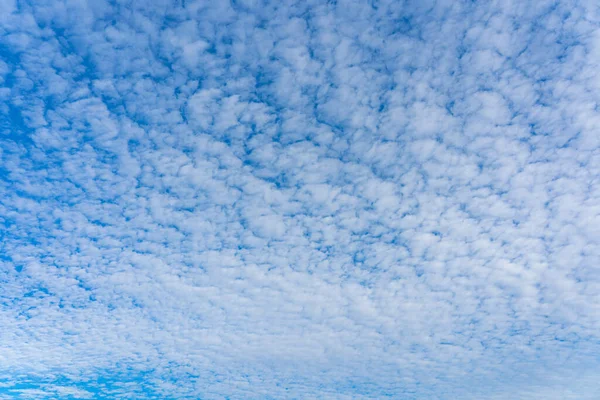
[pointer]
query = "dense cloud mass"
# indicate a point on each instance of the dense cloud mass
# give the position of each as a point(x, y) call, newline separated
point(345, 199)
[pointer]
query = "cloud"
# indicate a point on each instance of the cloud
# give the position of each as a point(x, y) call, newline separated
point(303, 199)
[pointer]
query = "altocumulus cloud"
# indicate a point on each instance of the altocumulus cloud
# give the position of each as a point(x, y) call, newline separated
point(344, 199)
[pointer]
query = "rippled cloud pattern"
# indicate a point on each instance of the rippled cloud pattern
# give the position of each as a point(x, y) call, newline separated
point(252, 199)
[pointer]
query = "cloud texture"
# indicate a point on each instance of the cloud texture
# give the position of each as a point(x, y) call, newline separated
point(344, 199)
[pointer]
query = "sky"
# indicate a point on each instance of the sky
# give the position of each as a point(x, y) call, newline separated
point(247, 199)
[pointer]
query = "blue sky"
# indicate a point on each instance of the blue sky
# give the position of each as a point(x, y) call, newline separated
point(266, 200)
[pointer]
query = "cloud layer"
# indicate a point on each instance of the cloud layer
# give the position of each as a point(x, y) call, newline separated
point(342, 199)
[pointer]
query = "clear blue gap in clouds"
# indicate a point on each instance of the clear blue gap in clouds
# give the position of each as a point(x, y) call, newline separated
point(313, 199)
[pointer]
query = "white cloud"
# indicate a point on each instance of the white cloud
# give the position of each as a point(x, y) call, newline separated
point(310, 199)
